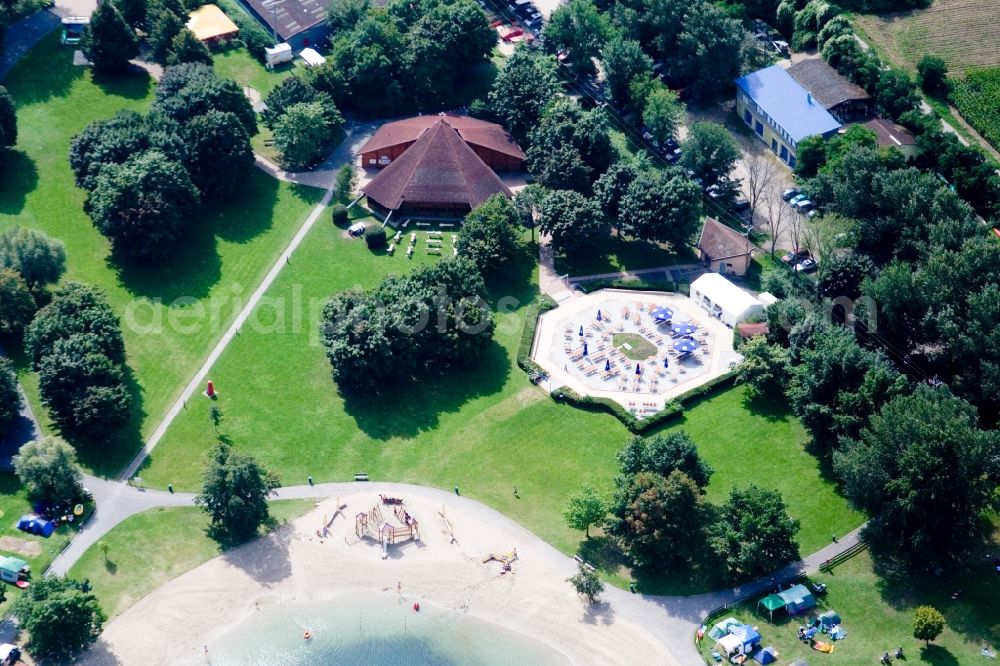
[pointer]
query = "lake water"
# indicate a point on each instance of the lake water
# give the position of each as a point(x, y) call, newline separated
point(377, 630)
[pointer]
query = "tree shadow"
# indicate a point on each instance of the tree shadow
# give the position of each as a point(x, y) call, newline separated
point(599, 612)
point(132, 84)
point(418, 402)
point(264, 559)
point(190, 271)
point(100, 654)
point(245, 214)
point(28, 87)
point(938, 655)
point(770, 409)
point(110, 567)
point(603, 552)
point(20, 177)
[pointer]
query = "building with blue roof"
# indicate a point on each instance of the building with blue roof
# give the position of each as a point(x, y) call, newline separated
point(780, 111)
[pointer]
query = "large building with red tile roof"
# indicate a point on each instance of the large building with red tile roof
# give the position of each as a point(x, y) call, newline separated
point(489, 141)
point(437, 165)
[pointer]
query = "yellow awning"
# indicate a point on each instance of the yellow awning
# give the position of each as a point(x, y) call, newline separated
point(210, 22)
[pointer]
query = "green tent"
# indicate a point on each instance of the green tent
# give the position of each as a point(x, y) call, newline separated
point(771, 603)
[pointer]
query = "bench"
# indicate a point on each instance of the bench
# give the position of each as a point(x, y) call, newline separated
point(423, 224)
point(360, 476)
point(446, 225)
point(433, 250)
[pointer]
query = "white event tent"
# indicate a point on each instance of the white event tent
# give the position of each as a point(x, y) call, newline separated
point(723, 299)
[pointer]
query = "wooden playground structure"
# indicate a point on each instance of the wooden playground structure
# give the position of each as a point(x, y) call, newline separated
point(373, 525)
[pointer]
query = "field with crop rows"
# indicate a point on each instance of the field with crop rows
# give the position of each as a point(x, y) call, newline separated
point(977, 98)
point(966, 33)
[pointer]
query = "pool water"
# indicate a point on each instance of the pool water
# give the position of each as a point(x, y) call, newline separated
point(377, 630)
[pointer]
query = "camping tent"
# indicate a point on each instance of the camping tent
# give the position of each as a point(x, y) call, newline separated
point(797, 599)
point(829, 619)
point(723, 299)
point(772, 603)
point(729, 645)
point(209, 23)
point(766, 655)
point(720, 629)
point(748, 637)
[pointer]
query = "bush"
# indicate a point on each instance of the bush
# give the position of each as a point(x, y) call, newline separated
point(932, 74)
point(544, 304)
point(375, 237)
point(338, 212)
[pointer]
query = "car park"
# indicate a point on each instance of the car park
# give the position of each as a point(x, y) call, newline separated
point(789, 193)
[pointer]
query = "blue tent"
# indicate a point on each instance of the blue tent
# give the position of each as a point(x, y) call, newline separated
point(748, 637)
point(766, 655)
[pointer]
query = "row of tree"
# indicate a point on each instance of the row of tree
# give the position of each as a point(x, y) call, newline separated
point(304, 120)
point(701, 47)
point(407, 56)
point(75, 344)
point(111, 38)
point(145, 176)
point(661, 519)
point(428, 320)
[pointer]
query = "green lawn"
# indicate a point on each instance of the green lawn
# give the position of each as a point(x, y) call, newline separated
point(639, 348)
point(237, 64)
point(172, 313)
point(484, 428)
point(876, 609)
point(150, 548)
point(622, 254)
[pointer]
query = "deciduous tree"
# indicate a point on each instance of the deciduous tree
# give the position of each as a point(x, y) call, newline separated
point(8, 119)
point(75, 309)
point(48, 469)
point(587, 583)
point(708, 50)
point(584, 508)
point(234, 493)
point(186, 47)
point(764, 368)
point(928, 623)
point(663, 453)
point(302, 135)
point(490, 234)
point(218, 155)
point(623, 61)
point(59, 617)
point(932, 74)
point(925, 471)
point(17, 305)
point(661, 206)
point(523, 88)
point(10, 397)
point(663, 113)
point(710, 152)
point(143, 204)
point(580, 30)
point(754, 534)
point(571, 220)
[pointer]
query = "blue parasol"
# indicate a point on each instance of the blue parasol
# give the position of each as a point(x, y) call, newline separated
point(684, 328)
point(666, 362)
point(686, 346)
point(584, 348)
point(638, 370)
point(581, 330)
point(607, 365)
point(598, 315)
point(662, 313)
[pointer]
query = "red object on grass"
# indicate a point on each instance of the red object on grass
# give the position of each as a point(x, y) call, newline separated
point(210, 389)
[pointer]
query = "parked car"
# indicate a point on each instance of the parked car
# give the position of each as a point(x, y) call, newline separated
point(803, 205)
point(797, 198)
point(795, 256)
point(740, 204)
point(789, 193)
point(780, 47)
point(673, 156)
point(805, 266)
point(812, 213)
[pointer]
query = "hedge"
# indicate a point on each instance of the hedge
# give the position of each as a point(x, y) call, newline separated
point(670, 411)
point(634, 285)
point(535, 310)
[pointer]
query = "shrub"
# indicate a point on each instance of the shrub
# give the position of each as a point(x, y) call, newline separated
point(375, 237)
point(932, 74)
point(338, 212)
